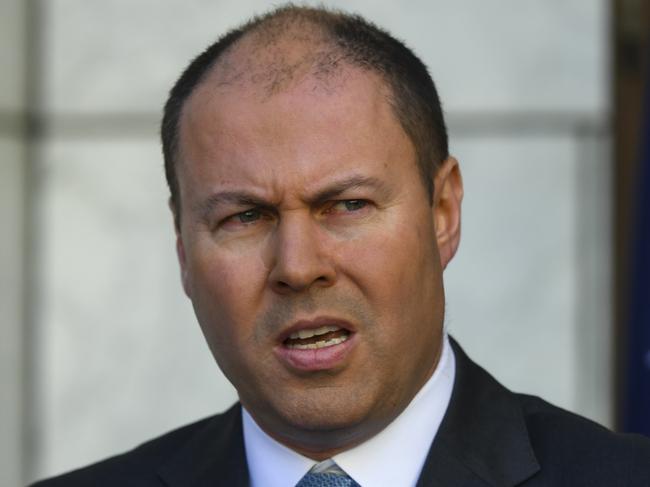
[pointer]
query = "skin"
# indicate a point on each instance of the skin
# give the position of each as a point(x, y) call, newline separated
point(303, 204)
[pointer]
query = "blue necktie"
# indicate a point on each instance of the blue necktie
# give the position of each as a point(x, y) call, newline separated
point(326, 480)
point(326, 474)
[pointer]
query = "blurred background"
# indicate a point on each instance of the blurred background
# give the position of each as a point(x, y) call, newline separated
point(99, 348)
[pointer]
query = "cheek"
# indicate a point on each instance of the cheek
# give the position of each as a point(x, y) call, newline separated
point(391, 265)
point(226, 291)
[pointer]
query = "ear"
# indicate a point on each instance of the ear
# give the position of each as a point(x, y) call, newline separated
point(447, 199)
point(180, 250)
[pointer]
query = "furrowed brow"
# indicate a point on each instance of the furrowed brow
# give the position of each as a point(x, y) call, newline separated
point(245, 199)
point(231, 198)
point(337, 188)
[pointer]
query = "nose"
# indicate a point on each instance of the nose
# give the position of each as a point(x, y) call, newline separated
point(300, 257)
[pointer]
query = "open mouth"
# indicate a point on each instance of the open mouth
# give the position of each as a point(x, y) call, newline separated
point(315, 338)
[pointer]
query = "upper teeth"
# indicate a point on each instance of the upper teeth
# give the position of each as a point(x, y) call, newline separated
point(313, 331)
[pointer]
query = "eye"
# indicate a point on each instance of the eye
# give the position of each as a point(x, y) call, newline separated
point(349, 205)
point(243, 219)
point(248, 216)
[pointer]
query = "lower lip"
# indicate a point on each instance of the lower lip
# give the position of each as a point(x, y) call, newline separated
point(311, 360)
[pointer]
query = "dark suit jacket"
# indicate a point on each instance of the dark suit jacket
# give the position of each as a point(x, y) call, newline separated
point(488, 437)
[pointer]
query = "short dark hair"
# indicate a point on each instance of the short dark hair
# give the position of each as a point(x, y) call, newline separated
point(358, 43)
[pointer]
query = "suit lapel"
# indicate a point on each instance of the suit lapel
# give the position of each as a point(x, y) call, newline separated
point(483, 440)
point(214, 456)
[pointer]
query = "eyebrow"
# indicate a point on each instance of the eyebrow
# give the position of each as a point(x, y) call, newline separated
point(245, 198)
point(234, 198)
point(352, 182)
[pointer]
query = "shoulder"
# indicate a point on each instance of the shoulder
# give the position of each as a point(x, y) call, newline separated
point(140, 466)
point(578, 448)
point(500, 435)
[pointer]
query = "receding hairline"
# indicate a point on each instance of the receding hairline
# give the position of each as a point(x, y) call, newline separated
point(277, 56)
point(264, 69)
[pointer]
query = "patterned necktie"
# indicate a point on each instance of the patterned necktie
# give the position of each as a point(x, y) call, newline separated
point(326, 474)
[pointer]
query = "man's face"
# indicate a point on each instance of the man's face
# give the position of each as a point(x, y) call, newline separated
point(304, 213)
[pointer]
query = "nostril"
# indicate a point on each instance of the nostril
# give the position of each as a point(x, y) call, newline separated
point(300, 283)
point(282, 285)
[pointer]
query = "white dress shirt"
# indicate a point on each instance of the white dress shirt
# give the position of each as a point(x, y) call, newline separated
point(393, 457)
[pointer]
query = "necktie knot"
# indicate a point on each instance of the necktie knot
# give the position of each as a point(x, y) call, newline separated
point(326, 474)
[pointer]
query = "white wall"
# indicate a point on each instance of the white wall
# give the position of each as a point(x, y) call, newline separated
point(524, 86)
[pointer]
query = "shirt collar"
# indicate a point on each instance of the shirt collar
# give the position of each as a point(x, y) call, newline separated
point(381, 460)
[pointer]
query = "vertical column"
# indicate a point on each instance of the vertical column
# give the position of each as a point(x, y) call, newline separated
point(12, 218)
point(594, 263)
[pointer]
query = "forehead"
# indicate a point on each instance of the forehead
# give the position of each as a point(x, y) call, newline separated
point(223, 100)
point(312, 125)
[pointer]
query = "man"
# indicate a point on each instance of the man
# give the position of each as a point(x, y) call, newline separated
point(316, 206)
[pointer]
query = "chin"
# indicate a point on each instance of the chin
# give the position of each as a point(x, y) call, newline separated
point(325, 414)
